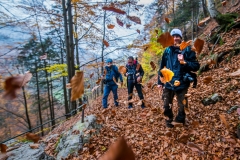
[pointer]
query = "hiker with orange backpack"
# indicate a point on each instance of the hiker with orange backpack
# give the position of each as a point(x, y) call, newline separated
point(134, 74)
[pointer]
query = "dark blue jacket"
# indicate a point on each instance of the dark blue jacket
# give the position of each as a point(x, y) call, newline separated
point(133, 72)
point(112, 72)
point(170, 60)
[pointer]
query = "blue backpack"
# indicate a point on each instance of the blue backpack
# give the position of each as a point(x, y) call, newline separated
point(110, 74)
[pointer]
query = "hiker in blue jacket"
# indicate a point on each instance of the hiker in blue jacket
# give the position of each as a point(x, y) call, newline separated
point(134, 76)
point(111, 73)
point(171, 59)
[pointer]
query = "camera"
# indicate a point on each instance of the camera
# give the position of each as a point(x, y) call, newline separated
point(104, 81)
point(188, 78)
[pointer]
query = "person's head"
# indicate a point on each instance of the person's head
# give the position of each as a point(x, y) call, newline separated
point(177, 36)
point(109, 62)
point(130, 60)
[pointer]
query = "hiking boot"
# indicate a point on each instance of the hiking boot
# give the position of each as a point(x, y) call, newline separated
point(180, 118)
point(116, 104)
point(130, 106)
point(143, 106)
point(169, 123)
point(168, 112)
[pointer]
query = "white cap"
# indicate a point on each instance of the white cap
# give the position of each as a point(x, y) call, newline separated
point(176, 32)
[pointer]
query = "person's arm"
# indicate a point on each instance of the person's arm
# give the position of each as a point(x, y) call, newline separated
point(119, 74)
point(191, 62)
point(141, 71)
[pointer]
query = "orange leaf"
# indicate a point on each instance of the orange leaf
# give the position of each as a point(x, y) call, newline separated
point(119, 151)
point(167, 74)
point(98, 81)
point(184, 45)
point(153, 65)
point(134, 19)
point(167, 20)
point(112, 8)
point(110, 26)
point(165, 39)
point(207, 79)
point(88, 86)
point(32, 137)
point(119, 22)
point(223, 119)
point(198, 44)
point(3, 148)
point(105, 43)
point(77, 84)
point(122, 69)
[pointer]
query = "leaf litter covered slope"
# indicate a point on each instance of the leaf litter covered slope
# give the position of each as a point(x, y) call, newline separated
point(209, 132)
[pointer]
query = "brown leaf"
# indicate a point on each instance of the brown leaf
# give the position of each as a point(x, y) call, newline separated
point(34, 146)
point(98, 81)
point(91, 75)
point(207, 79)
point(119, 151)
point(119, 22)
point(183, 138)
point(138, 31)
point(204, 21)
point(198, 44)
point(224, 3)
point(128, 25)
point(77, 84)
point(3, 148)
point(237, 73)
point(168, 134)
point(112, 8)
point(195, 124)
point(110, 26)
point(95, 88)
point(122, 69)
point(238, 111)
point(32, 137)
point(167, 20)
point(194, 147)
point(223, 119)
point(14, 83)
point(88, 86)
point(134, 19)
point(138, 67)
point(153, 65)
point(184, 156)
point(165, 40)
point(105, 43)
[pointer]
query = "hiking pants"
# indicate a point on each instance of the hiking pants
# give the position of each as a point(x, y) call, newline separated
point(130, 87)
point(106, 92)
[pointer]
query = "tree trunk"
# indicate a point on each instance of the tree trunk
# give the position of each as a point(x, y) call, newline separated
point(38, 100)
point(211, 8)
point(71, 44)
point(26, 109)
point(64, 84)
point(204, 7)
point(173, 13)
point(104, 31)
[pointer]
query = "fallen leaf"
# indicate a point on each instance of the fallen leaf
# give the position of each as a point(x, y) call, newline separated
point(34, 146)
point(119, 22)
point(237, 73)
point(168, 134)
point(122, 69)
point(238, 111)
point(112, 8)
point(105, 43)
point(95, 88)
point(3, 148)
point(167, 20)
point(119, 151)
point(207, 79)
point(98, 81)
point(167, 74)
point(184, 156)
point(183, 138)
point(224, 3)
point(194, 147)
point(184, 45)
point(138, 31)
point(128, 25)
point(88, 86)
point(110, 26)
point(165, 40)
point(134, 19)
point(32, 137)
point(198, 44)
point(91, 75)
point(77, 84)
point(153, 65)
point(223, 119)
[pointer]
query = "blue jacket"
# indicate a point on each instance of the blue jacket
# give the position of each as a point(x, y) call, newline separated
point(112, 72)
point(170, 60)
point(134, 72)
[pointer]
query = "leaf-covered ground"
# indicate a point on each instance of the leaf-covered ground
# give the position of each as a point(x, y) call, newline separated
point(209, 133)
